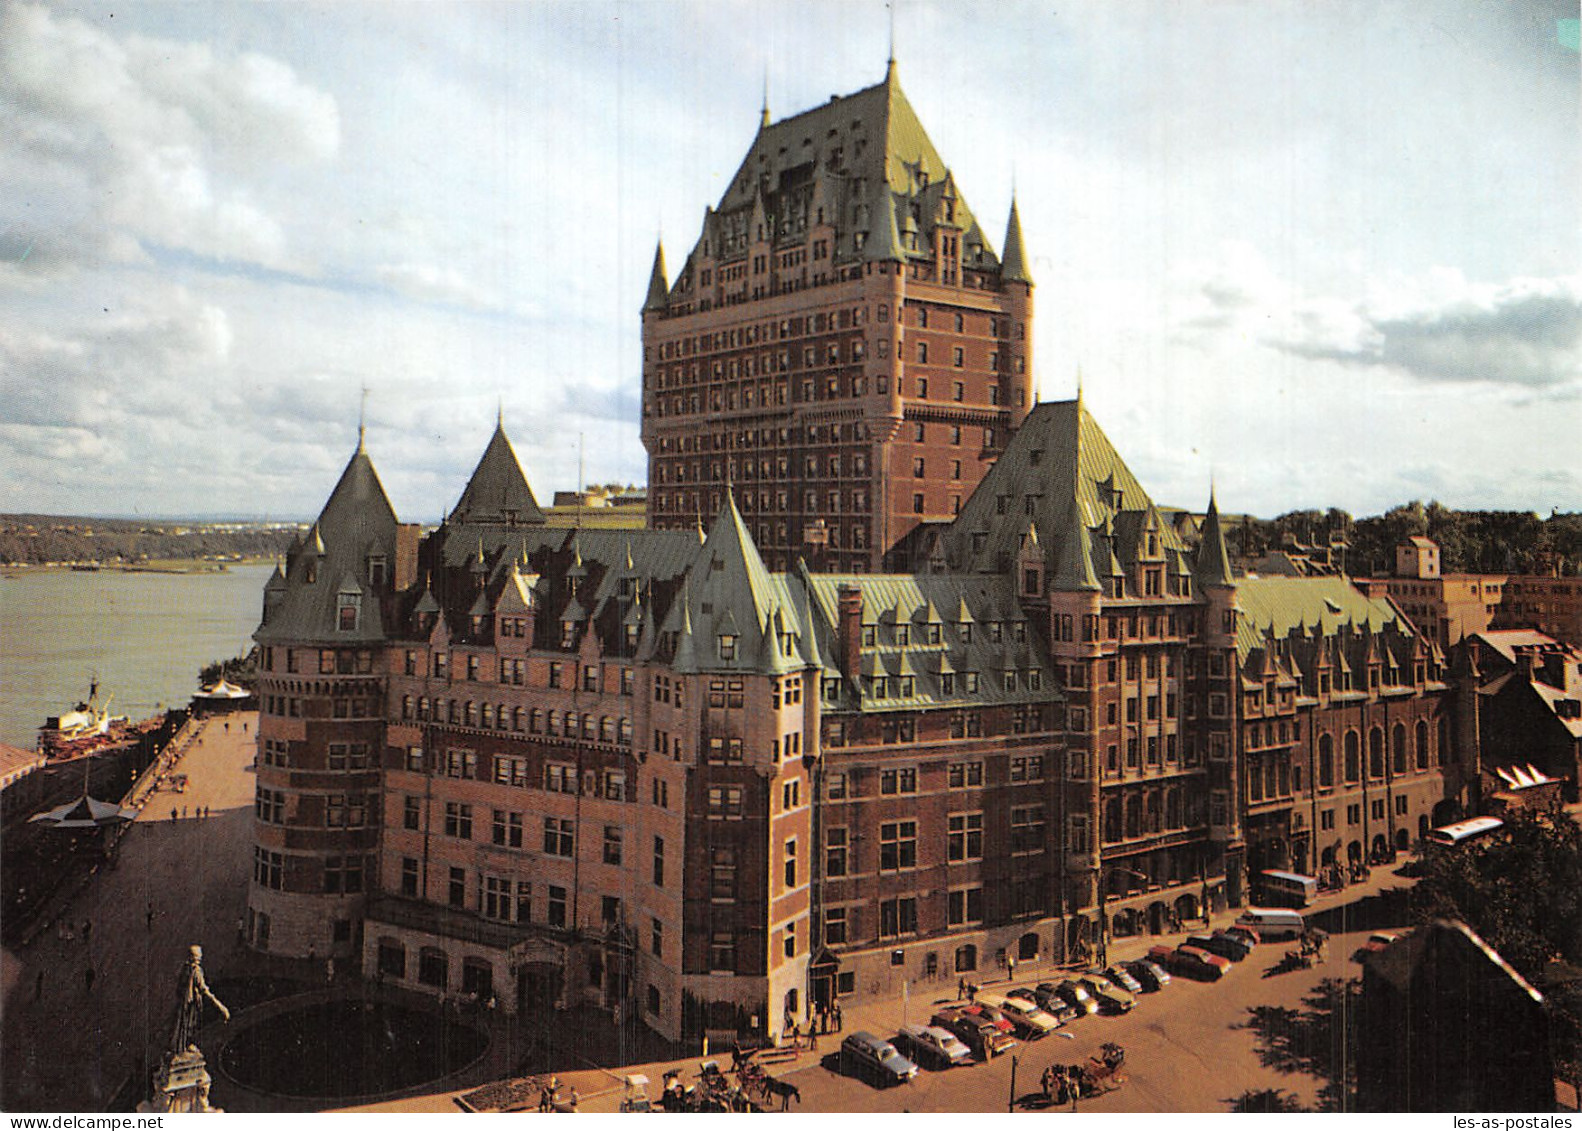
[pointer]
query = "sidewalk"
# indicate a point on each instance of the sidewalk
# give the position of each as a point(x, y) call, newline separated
point(71, 1044)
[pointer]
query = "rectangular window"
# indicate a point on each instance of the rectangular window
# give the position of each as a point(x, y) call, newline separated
point(965, 906)
point(556, 912)
point(612, 844)
point(898, 780)
point(790, 863)
point(835, 925)
point(965, 837)
point(506, 829)
point(558, 837)
point(722, 951)
point(456, 892)
point(897, 917)
point(409, 876)
point(1027, 828)
point(897, 845)
point(835, 849)
point(458, 820)
point(659, 861)
point(722, 873)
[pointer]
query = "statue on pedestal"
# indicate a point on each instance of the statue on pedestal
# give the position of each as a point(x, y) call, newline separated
point(181, 1082)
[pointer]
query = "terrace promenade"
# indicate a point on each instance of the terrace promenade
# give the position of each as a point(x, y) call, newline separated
point(71, 1043)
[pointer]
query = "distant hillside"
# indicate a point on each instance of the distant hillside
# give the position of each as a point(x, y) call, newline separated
point(33, 539)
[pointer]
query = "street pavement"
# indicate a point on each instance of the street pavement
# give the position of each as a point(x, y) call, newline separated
point(69, 1045)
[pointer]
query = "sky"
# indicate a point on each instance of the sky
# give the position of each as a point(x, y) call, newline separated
point(1313, 254)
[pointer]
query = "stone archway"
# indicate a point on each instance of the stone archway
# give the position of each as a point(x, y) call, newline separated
point(1157, 913)
point(1403, 840)
point(1354, 851)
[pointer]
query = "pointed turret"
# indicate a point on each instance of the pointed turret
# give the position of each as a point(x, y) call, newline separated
point(658, 287)
point(498, 492)
point(884, 238)
point(1075, 565)
point(1013, 265)
point(1213, 560)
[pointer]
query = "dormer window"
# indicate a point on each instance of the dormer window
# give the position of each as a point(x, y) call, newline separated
point(568, 633)
point(310, 572)
point(376, 570)
point(727, 646)
point(349, 606)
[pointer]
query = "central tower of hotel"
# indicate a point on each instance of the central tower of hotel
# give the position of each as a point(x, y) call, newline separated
point(843, 346)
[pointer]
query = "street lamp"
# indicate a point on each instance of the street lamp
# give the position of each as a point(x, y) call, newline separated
point(1105, 871)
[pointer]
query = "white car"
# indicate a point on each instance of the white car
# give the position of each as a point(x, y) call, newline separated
point(1027, 1017)
point(933, 1045)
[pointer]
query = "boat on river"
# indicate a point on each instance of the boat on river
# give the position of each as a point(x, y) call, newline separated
point(83, 729)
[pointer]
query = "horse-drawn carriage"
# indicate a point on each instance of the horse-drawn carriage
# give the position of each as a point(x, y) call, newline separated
point(1101, 1073)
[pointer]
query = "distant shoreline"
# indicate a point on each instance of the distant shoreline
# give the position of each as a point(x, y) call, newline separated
point(162, 565)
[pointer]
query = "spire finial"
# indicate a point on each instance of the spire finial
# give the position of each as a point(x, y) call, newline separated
point(763, 121)
point(1079, 386)
point(362, 414)
point(499, 412)
point(889, 70)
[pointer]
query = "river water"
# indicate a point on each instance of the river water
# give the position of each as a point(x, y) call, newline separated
point(145, 635)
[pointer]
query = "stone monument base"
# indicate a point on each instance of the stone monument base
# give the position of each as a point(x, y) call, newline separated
point(181, 1085)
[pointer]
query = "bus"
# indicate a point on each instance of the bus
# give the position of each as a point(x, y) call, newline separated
point(1463, 831)
point(1284, 889)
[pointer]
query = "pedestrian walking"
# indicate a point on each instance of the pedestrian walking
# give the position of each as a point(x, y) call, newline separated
point(244, 728)
point(183, 812)
point(329, 970)
point(227, 728)
point(837, 1017)
point(1010, 968)
point(961, 989)
point(87, 978)
point(173, 814)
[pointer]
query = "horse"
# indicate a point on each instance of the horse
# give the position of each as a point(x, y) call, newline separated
point(786, 1092)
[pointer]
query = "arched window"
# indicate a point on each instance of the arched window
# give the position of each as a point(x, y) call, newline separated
point(1326, 761)
point(1398, 749)
point(1353, 756)
point(535, 720)
point(606, 729)
point(553, 725)
point(1376, 752)
point(1422, 745)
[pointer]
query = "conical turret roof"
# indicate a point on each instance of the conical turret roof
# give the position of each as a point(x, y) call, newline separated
point(498, 491)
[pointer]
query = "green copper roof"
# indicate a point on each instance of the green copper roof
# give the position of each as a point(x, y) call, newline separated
point(1274, 606)
point(734, 615)
point(357, 524)
point(1213, 561)
point(498, 491)
point(1059, 470)
point(1013, 268)
point(915, 649)
point(658, 288)
point(831, 165)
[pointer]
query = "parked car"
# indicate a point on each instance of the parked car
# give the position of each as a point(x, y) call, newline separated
point(992, 1015)
point(1152, 976)
point(1247, 934)
point(1196, 957)
point(1122, 977)
point(1189, 962)
point(1222, 945)
point(930, 1044)
point(978, 1033)
point(1076, 996)
point(1030, 1021)
point(1051, 1002)
point(875, 1059)
point(1111, 998)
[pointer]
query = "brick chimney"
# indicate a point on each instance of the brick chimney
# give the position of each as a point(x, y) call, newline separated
point(849, 602)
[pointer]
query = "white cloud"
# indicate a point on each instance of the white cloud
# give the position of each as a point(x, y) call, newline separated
point(111, 146)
